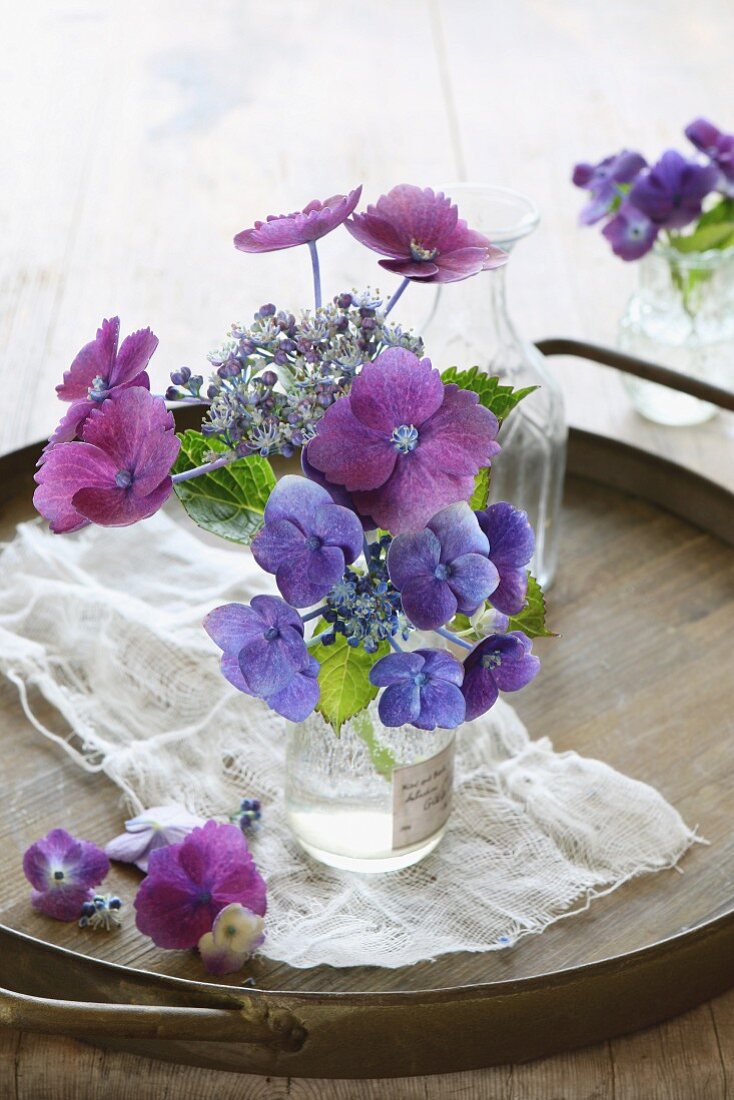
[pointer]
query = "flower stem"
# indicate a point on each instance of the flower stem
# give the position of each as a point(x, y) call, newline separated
point(197, 471)
point(453, 638)
point(317, 638)
point(394, 644)
point(394, 300)
point(314, 614)
point(316, 273)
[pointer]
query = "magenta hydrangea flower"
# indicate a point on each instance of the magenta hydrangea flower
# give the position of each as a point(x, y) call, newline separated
point(100, 371)
point(511, 546)
point(402, 443)
point(670, 194)
point(62, 871)
point(310, 224)
point(442, 569)
point(153, 828)
point(265, 654)
point(502, 662)
point(306, 541)
point(422, 688)
point(189, 883)
point(235, 934)
point(630, 232)
point(423, 237)
point(718, 146)
point(602, 180)
point(118, 474)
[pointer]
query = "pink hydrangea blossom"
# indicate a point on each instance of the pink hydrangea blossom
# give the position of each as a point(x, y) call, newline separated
point(189, 883)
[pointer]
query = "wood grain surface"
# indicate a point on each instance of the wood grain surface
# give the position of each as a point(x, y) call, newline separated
point(138, 138)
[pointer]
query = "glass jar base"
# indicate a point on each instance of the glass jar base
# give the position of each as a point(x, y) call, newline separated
point(358, 857)
point(662, 405)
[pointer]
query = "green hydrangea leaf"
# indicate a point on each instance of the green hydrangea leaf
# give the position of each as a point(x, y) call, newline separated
point(228, 502)
point(480, 496)
point(493, 394)
point(706, 237)
point(715, 229)
point(531, 620)
point(344, 678)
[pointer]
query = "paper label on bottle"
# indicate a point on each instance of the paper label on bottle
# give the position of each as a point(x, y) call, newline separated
point(421, 798)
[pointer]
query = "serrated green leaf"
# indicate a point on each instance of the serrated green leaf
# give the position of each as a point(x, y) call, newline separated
point(344, 678)
point(228, 502)
point(480, 496)
point(531, 620)
point(492, 393)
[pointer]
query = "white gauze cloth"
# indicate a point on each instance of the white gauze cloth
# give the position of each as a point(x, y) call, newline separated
point(106, 625)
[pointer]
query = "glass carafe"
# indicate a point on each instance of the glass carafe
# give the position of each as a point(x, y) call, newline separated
point(681, 315)
point(470, 326)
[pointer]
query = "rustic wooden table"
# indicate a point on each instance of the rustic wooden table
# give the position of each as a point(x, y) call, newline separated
point(137, 138)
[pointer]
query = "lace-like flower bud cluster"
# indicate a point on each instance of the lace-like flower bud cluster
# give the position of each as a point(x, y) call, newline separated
point(275, 377)
point(366, 607)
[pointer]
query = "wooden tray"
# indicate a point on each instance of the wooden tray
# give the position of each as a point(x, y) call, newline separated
point(641, 679)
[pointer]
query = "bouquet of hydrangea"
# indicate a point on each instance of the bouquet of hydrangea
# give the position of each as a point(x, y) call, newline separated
point(387, 531)
point(638, 202)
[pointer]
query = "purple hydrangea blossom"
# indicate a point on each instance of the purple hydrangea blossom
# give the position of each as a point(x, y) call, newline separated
point(153, 828)
point(670, 194)
point(338, 493)
point(265, 654)
point(118, 474)
point(188, 885)
point(288, 230)
point(603, 180)
point(718, 146)
point(403, 443)
point(62, 871)
point(423, 237)
point(511, 546)
point(443, 569)
point(307, 540)
point(422, 688)
point(100, 371)
point(235, 934)
point(630, 232)
point(502, 662)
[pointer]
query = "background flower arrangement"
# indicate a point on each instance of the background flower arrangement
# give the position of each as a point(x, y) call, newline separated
point(387, 532)
point(677, 217)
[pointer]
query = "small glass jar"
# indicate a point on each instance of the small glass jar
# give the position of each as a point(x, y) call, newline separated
point(370, 798)
point(681, 316)
point(470, 326)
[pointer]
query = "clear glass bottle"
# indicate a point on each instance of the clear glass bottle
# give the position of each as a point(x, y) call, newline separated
point(372, 798)
point(681, 316)
point(470, 326)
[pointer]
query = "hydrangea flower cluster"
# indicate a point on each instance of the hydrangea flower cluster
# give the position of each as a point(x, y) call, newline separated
point(641, 201)
point(422, 442)
point(375, 542)
point(275, 377)
point(365, 606)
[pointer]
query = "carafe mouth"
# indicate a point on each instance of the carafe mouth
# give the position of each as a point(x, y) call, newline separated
point(503, 215)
